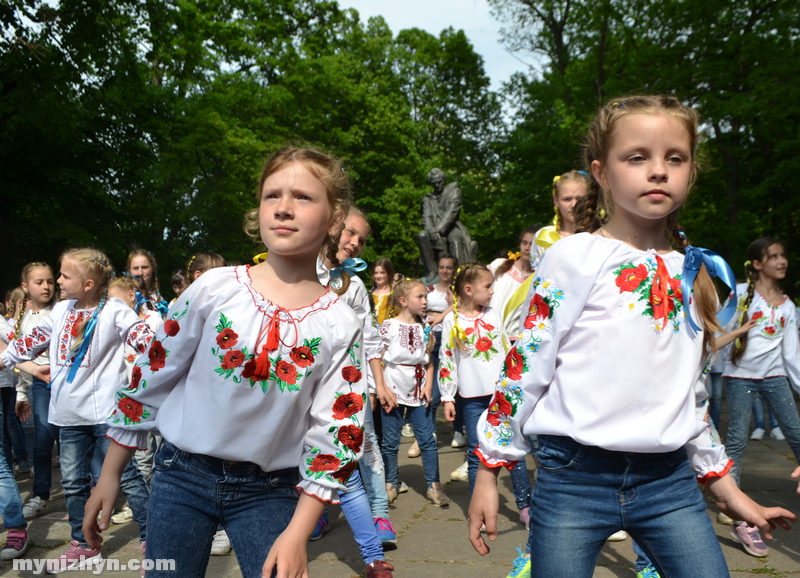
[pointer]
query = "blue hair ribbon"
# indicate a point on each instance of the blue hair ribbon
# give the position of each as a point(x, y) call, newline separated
point(140, 300)
point(163, 307)
point(88, 332)
point(351, 265)
point(717, 267)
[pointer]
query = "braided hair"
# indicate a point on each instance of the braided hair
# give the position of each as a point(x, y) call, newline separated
point(466, 275)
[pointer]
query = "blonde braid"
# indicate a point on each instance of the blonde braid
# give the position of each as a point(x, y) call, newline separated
point(20, 315)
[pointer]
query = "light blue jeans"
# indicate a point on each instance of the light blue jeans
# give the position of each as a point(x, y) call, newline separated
point(584, 494)
point(372, 473)
point(10, 500)
point(192, 493)
point(356, 510)
point(741, 393)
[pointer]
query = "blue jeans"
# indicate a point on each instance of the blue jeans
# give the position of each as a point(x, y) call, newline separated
point(45, 435)
point(584, 494)
point(10, 500)
point(372, 473)
point(759, 412)
point(78, 444)
point(356, 510)
point(13, 436)
point(741, 393)
point(714, 385)
point(642, 561)
point(472, 408)
point(192, 493)
point(423, 430)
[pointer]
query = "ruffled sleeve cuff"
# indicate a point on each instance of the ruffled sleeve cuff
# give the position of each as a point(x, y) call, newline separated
point(448, 397)
point(128, 438)
point(322, 493)
point(493, 462)
point(7, 360)
point(719, 470)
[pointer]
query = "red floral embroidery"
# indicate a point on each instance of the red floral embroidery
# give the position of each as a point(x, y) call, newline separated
point(157, 355)
point(324, 463)
point(514, 364)
point(488, 327)
point(136, 375)
point(443, 372)
point(250, 369)
point(302, 356)
point(629, 279)
point(539, 308)
point(499, 406)
point(343, 474)
point(469, 331)
point(233, 358)
point(286, 371)
point(28, 342)
point(676, 288)
point(757, 315)
point(448, 353)
point(769, 330)
point(351, 374)
point(483, 344)
point(131, 408)
point(171, 327)
point(227, 338)
point(351, 436)
point(347, 405)
point(660, 299)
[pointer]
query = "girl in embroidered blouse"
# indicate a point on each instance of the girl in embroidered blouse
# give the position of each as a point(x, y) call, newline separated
point(609, 348)
point(85, 335)
point(142, 263)
point(408, 372)
point(383, 277)
point(472, 353)
point(764, 360)
point(256, 384)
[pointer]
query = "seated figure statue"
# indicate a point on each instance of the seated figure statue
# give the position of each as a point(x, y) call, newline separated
point(443, 233)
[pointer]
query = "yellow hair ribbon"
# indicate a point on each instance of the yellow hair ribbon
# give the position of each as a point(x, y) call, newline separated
point(515, 256)
point(602, 213)
point(260, 258)
point(456, 332)
point(556, 179)
point(747, 264)
point(546, 237)
point(740, 307)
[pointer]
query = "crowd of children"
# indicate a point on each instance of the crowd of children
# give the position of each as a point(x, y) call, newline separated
point(604, 323)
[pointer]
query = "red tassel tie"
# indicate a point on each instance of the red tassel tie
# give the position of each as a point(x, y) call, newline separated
point(262, 364)
point(660, 300)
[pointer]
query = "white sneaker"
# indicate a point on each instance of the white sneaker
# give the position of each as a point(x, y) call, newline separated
point(617, 536)
point(758, 434)
point(221, 546)
point(402, 488)
point(777, 434)
point(407, 431)
point(724, 519)
point(125, 515)
point(35, 507)
point(460, 474)
point(459, 441)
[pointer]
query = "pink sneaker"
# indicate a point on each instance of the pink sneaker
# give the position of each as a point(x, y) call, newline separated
point(75, 558)
point(16, 544)
point(750, 539)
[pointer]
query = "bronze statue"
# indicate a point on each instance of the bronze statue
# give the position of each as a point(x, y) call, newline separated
point(443, 233)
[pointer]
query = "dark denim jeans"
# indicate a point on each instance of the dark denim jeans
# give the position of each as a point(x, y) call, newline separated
point(193, 493)
point(741, 392)
point(45, 435)
point(13, 436)
point(78, 444)
point(423, 430)
point(584, 494)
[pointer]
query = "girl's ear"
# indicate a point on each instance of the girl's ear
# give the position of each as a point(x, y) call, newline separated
point(196, 275)
point(24, 286)
point(89, 284)
point(757, 265)
point(598, 173)
point(402, 301)
point(468, 290)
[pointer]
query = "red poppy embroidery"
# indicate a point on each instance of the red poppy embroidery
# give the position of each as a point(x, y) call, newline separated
point(131, 408)
point(469, 331)
point(286, 372)
point(630, 278)
point(514, 364)
point(171, 327)
point(250, 369)
point(28, 342)
point(488, 327)
point(444, 372)
point(136, 375)
point(539, 308)
point(483, 344)
point(324, 463)
point(351, 436)
point(499, 406)
point(227, 338)
point(448, 353)
point(302, 356)
point(157, 355)
point(351, 374)
point(757, 315)
point(233, 358)
point(769, 330)
point(343, 474)
point(347, 405)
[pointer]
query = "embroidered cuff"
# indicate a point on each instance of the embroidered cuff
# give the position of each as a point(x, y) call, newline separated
point(322, 493)
point(128, 438)
point(492, 463)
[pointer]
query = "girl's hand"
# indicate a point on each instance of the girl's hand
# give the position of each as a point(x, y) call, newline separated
point(42, 372)
point(387, 398)
point(288, 556)
point(427, 394)
point(733, 502)
point(450, 411)
point(23, 410)
point(483, 509)
point(103, 498)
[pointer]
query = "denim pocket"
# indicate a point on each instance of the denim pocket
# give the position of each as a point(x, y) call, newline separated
point(166, 457)
point(554, 458)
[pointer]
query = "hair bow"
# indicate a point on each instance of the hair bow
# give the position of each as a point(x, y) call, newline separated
point(513, 255)
point(351, 265)
point(456, 332)
point(140, 300)
point(546, 237)
point(717, 267)
point(163, 307)
point(260, 257)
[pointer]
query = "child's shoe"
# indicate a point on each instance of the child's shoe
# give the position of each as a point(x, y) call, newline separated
point(379, 569)
point(220, 545)
point(758, 434)
point(723, 519)
point(461, 473)
point(750, 539)
point(776, 434)
point(75, 558)
point(124, 516)
point(459, 440)
point(16, 544)
point(402, 488)
point(649, 572)
point(36, 506)
point(391, 491)
point(617, 536)
point(522, 566)
point(385, 530)
point(414, 451)
point(436, 495)
point(407, 431)
point(323, 525)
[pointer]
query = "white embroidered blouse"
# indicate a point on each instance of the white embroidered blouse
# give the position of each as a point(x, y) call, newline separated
point(606, 351)
point(90, 398)
point(472, 373)
point(233, 376)
point(773, 346)
point(404, 360)
point(504, 288)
